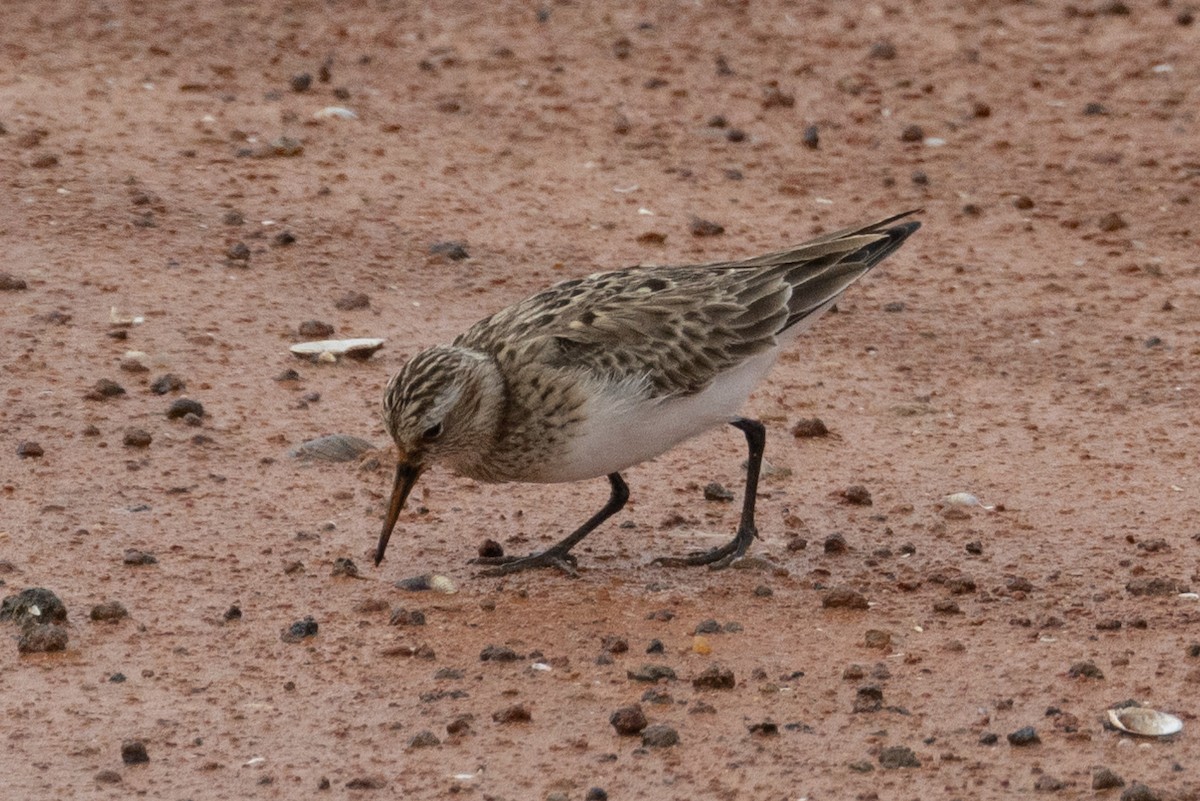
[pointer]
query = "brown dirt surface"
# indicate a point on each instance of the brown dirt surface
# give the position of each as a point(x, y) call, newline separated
point(1035, 344)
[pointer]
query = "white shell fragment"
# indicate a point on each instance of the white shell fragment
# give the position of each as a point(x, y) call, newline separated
point(336, 113)
point(1144, 721)
point(333, 448)
point(350, 348)
point(966, 499)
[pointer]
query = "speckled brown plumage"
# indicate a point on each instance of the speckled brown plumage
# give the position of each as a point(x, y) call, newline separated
point(595, 374)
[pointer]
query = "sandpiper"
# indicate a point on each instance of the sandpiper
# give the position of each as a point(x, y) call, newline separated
point(598, 374)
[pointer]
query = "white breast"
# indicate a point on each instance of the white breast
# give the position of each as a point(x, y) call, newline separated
point(623, 427)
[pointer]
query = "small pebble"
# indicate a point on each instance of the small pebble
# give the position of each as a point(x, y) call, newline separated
point(33, 605)
point(655, 647)
point(301, 630)
point(1139, 792)
point(233, 613)
point(490, 549)
point(498, 653)
point(517, 713)
point(660, 735)
point(42, 638)
point(835, 543)
point(136, 438)
point(300, 82)
point(811, 137)
point(882, 50)
point(135, 557)
point(596, 794)
point(423, 739)
point(1023, 202)
point(1024, 736)
point(628, 720)
point(167, 383)
point(105, 388)
point(315, 329)
point(10, 283)
point(651, 674)
point(868, 698)
point(898, 756)
point(857, 495)
point(714, 677)
point(702, 227)
point(809, 428)
point(1105, 779)
point(238, 251)
point(133, 752)
point(1112, 222)
point(107, 777)
point(406, 617)
point(352, 301)
point(1048, 784)
point(27, 449)
point(1085, 670)
point(183, 407)
point(713, 491)
point(912, 133)
point(454, 251)
point(844, 598)
point(109, 611)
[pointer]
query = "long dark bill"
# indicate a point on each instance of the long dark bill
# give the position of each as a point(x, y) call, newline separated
point(406, 477)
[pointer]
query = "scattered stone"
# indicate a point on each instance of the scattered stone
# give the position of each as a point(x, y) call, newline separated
point(232, 613)
point(714, 491)
point(301, 630)
point(42, 638)
point(10, 283)
point(735, 135)
point(133, 752)
point(454, 251)
point(137, 438)
point(238, 252)
point(861, 766)
point(651, 674)
point(811, 137)
point(879, 640)
point(423, 739)
point(361, 783)
point(135, 557)
point(1085, 670)
point(300, 82)
point(856, 495)
point(517, 713)
point(596, 794)
point(613, 644)
point(404, 617)
point(660, 735)
point(182, 407)
point(989, 738)
point(844, 598)
point(974, 547)
point(1023, 737)
point(499, 653)
point(1105, 779)
point(1095, 110)
point(344, 566)
point(774, 97)
point(107, 777)
point(352, 301)
point(33, 605)
point(134, 361)
point(655, 647)
point(1048, 784)
point(232, 217)
point(869, 698)
point(167, 383)
point(835, 543)
point(1155, 586)
point(912, 133)
point(1023, 202)
point(763, 591)
point(702, 227)
point(947, 607)
point(1112, 222)
point(920, 178)
point(44, 160)
point(104, 389)
point(715, 677)
point(316, 329)
point(1140, 792)
point(109, 611)
point(460, 725)
point(809, 428)
point(898, 756)
point(628, 720)
point(27, 449)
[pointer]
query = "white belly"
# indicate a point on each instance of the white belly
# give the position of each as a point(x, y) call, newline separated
point(624, 428)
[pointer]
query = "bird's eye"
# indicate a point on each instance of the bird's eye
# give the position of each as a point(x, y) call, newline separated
point(432, 433)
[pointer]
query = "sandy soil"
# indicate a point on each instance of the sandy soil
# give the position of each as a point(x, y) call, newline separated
point(1035, 344)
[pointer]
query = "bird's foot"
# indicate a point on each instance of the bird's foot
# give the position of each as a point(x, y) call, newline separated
point(717, 558)
point(506, 565)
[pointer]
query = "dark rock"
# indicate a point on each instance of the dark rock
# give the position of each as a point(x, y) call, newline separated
point(301, 630)
point(947, 607)
point(811, 137)
point(107, 777)
point(104, 389)
point(517, 713)
point(835, 543)
point(1023, 202)
point(774, 97)
point(137, 438)
point(28, 449)
point(1024, 736)
point(423, 739)
point(42, 638)
point(315, 329)
point(109, 611)
point(709, 626)
point(498, 653)
point(1140, 792)
point(344, 566)
point(300, 82)
point(989, 738)
point(167, 383)
point(912, 133)
point(869, 698)
point(238, 251)
point(714, 677)
point(898, 756)
point(1156, 586)
point(1105, 779)
point(460, 725)
point(232, 613)
point(10, 283)
point(1048, 784)
point(714, 491)
point(882, 50)
point(614, 644)
point(1095, 110)
point(702, 227)
point(352, 301)
point(1112, 222)
point(628, 720)
point(364, 783)
point(844, 598)
point(1085, 670)
point(135, 557)
point(651, 674)
point(454, 251)
point(596, 794)
point(655, 647)
point(660, 735)
point(405, 617)
point(764, 729)
point(232, 217)
point(133, 752)
point(183, 407)
point(283, 239)
point(33, 605)
point(810, 427)
point(857, 495)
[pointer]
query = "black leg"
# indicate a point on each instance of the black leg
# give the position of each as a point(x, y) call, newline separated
point(559, 555)
point(756, 440)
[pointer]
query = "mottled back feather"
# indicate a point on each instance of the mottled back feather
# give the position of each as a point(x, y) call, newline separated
point(676, 328)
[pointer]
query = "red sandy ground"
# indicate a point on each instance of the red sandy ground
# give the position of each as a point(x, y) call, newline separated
point(1038, 353)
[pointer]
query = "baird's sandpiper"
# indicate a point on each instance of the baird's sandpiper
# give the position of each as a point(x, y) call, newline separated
point(597, 374)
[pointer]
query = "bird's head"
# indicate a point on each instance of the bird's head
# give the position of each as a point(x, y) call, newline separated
point(442, 406)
